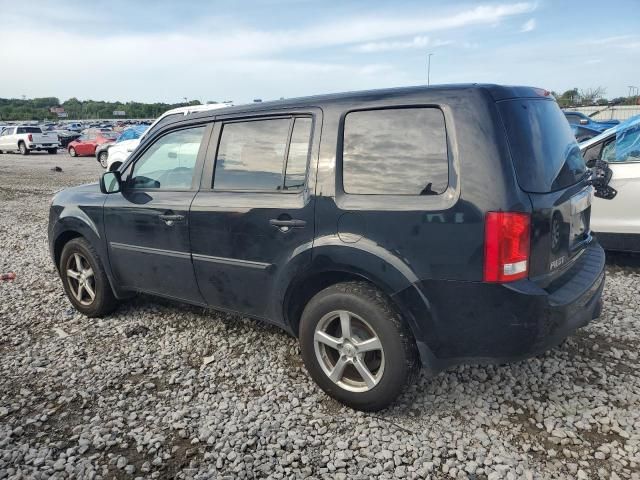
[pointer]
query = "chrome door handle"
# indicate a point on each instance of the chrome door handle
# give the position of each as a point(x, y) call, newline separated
point(293, 223)
point(170, 219)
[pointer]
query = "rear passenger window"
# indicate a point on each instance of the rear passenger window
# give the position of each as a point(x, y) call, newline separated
point(399, 151)
point(252, 154)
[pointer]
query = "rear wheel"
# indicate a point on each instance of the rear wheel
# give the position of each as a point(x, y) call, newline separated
point(102, 158)
point(72, 152)
point(356, 347)
point(84, 279)
point(23, 149)
point(115, 166)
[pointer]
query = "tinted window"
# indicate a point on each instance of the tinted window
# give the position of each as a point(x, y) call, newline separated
point(573, 119)
point(299, 150)
point(251, 155)
point(395, 152)
point(544, 151)
point(169, 162)
point(29, 130)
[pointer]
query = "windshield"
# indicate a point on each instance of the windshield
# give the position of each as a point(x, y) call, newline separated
point(110, 135)
point(543, 148)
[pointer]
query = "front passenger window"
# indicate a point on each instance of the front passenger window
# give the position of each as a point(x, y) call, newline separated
point(169, 163)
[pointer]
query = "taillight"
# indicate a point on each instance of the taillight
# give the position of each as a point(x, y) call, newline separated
point(506, 246)
point(30, 138)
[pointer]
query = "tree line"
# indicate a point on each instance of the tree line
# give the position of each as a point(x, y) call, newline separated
point(40, 108)
point(592, 96)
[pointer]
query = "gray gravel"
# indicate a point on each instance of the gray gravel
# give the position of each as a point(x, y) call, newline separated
point(131, 396)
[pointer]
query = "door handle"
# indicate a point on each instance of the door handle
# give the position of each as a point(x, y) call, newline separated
point(170, 219)
point(285, 225)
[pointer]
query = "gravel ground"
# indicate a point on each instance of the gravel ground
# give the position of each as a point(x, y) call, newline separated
point(131, 396)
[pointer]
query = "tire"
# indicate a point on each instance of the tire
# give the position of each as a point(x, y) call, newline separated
point(23, 148)
point(72, 152)
point(392, 361)
point(115, 166)
point(103, 158)
point(53, 151)
point(103, 301)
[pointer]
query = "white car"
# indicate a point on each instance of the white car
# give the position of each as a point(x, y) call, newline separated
point(25, 139)
point(617, 222)
point(120, 151)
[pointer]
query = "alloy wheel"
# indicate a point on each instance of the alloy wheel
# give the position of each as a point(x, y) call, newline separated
point(349, 351)
point(103, 159)
point(81, 280)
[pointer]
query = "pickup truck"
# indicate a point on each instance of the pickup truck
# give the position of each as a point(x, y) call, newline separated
point(26, 139)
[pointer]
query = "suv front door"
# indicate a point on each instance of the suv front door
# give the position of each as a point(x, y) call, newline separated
point(147, 224)
point(252, 227)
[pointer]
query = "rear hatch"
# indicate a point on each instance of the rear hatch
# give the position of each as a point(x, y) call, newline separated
point(550, 168)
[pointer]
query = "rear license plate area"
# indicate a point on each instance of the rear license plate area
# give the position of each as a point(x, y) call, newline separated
point(580, 217)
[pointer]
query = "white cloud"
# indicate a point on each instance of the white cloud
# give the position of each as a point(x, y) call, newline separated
point(616, 39)
point(418, 42)
point(528, 26)
point(227, 57)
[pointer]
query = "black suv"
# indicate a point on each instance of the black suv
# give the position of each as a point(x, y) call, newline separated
point(385, 229)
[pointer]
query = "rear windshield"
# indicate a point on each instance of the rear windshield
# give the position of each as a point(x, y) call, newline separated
point(545, 153)
point(29, 130)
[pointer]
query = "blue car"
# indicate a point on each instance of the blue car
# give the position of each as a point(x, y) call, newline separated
point(579, 118)
point(583, 133)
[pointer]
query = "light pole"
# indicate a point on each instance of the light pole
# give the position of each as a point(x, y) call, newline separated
point(429, 68)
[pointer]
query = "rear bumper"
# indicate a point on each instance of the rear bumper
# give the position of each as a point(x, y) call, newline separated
point(43, 146)
point(475, 322)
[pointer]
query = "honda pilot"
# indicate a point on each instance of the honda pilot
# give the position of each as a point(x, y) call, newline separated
point(387, 230)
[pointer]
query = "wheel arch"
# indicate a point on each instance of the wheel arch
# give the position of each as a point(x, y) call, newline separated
point(335, 262)
point(71, 227)
point(113, 165)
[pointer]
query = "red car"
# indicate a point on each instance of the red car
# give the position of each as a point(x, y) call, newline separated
point(86, 144)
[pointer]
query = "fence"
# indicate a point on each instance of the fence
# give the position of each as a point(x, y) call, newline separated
point(614, 112)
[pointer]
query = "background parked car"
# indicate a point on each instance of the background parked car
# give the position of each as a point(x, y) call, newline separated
point(583, 133)
point(617, 221)
point(66, 137)
point(74, 126)
point(115, 160)
point(123, 146)
point(86, 144)
point(579, 118)
point(25, 139)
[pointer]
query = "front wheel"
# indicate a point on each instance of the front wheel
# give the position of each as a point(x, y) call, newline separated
point(23, 149)
point(72, 152)
point(84, 279)
point(356, 347)
point(102, 158)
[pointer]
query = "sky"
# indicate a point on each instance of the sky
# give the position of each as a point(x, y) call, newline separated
point(163, 51)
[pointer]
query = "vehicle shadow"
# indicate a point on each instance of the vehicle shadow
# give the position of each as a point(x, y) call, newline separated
point(623, 259)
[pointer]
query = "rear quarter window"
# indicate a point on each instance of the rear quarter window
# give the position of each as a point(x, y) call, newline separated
point(395, 151)
point(543, 148)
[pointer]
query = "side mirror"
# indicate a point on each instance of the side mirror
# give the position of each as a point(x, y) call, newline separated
point(584, 121)
point(110, 182)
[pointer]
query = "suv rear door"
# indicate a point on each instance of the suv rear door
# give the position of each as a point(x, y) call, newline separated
point(252, 222)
